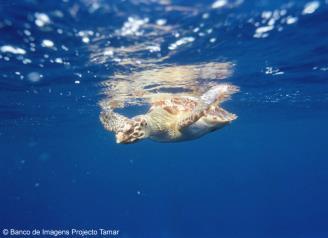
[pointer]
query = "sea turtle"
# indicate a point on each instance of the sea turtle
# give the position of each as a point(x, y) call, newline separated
point(177, 118)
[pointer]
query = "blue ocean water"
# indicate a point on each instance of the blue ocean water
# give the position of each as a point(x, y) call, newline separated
point(265, 175)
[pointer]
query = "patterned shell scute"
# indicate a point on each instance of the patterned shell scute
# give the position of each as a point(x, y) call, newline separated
point(176, 105)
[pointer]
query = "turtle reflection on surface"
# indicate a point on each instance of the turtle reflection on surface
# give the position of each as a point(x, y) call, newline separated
point(148, 85)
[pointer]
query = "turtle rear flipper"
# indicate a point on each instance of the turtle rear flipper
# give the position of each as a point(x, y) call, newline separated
point(216, 94)
point(219, 93)
point(218, 114)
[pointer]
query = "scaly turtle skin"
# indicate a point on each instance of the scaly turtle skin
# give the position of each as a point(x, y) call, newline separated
point(174, 119)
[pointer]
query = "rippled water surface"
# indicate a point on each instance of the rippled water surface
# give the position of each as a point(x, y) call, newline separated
point(62, 62)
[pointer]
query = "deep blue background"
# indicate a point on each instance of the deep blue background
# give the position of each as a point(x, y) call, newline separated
point(266, 175)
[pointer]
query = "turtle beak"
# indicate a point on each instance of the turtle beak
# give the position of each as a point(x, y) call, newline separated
point(119, 138)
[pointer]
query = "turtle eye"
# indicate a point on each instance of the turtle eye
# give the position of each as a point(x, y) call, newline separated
point(127, 127)
point(136, 133)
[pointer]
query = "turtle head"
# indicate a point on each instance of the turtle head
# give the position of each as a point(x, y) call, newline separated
point(132, 131)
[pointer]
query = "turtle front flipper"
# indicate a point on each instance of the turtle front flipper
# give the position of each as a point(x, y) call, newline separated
point(126, 130)
point(113, 121)
point(214, 95)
